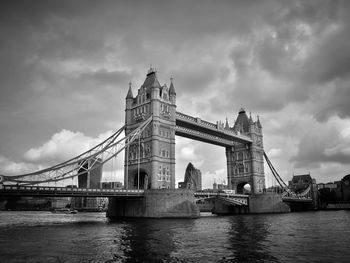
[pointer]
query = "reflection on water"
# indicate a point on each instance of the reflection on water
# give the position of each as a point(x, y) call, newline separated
point(148, 239)
point(248, 236)
point(90, 237)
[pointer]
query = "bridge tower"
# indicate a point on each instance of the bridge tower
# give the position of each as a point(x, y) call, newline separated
point(245, 163)
point(150, 160)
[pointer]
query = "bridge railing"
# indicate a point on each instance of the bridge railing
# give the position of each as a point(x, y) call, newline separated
point(66, 189)
point(186, 117)
point(219, 194)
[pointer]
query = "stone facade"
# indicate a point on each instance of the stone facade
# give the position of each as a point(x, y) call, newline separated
point(245, 162)
point(150, 160)
point(161, 203)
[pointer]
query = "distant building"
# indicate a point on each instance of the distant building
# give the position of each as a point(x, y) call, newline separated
point(193, 178)
point(300, 182)
point(182, 185)
point(111, 185)
point(345, 188)
point(60, 202)
point(90, 177)
point(87, 203)
point(91, 173)
point(218, 187)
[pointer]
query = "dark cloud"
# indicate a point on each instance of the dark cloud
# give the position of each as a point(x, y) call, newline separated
point(67, 65)
point(321, 146)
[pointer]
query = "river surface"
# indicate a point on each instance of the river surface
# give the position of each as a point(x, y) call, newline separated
point(322, 236)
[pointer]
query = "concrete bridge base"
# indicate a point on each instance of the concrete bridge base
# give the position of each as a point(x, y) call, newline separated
point(267, 203)
point(162, 203)
point(221, 209)
point(258, 204)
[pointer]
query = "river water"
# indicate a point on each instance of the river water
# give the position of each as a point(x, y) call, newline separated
point(322, 236)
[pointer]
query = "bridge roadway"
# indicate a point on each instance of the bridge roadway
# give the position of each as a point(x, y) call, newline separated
point(13, 190)
point(197, 129)
point(49, 191)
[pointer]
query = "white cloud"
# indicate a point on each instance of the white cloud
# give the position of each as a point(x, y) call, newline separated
point(274, 152)
point(63, 146)
point(8, 167)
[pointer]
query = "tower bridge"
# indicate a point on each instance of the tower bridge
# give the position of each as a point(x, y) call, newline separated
point(151, 124)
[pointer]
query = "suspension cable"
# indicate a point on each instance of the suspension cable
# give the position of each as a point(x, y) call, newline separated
point(78, 163)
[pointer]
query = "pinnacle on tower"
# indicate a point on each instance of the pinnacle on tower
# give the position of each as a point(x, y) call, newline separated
point(151, 80)
point(258, 122)
point(227, 126)
point(242, 121)
point(172, 89)
point(130, 95)
point(250, 118)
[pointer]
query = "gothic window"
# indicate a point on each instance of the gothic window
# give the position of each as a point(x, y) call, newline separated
point(160, 173)
point(240, 156)
point(167, 153)
point(167, 174)
point(246, 168)
point(241, 169)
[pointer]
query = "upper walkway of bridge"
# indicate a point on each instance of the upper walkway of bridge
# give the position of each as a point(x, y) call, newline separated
point(198, 129)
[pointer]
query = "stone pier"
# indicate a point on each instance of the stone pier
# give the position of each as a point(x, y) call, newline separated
point(258, 204)
point(267, 203)
point(156, 203)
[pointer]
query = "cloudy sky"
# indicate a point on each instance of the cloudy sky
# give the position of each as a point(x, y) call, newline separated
point(65, 68)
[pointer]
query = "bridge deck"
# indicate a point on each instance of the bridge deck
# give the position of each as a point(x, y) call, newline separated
point(227, 198)
point(9, 190)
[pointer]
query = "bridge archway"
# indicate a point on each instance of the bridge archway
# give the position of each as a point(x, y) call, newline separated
point(144, 180)
point(243, 188)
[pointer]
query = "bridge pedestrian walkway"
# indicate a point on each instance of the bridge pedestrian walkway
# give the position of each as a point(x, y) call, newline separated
point(13, 190)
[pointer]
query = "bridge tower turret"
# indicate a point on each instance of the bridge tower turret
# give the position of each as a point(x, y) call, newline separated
point(150, 160)
point(245, 161)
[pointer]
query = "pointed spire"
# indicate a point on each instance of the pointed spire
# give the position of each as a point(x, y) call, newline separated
point(258, 122)
point(250, 118)
point(172, 89)
point(130, 95)
point(227, 126)
point(151, 80)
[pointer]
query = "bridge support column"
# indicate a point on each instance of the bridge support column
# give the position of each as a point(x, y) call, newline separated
point(267, 203)
point(221, 209)
point(156, 203)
